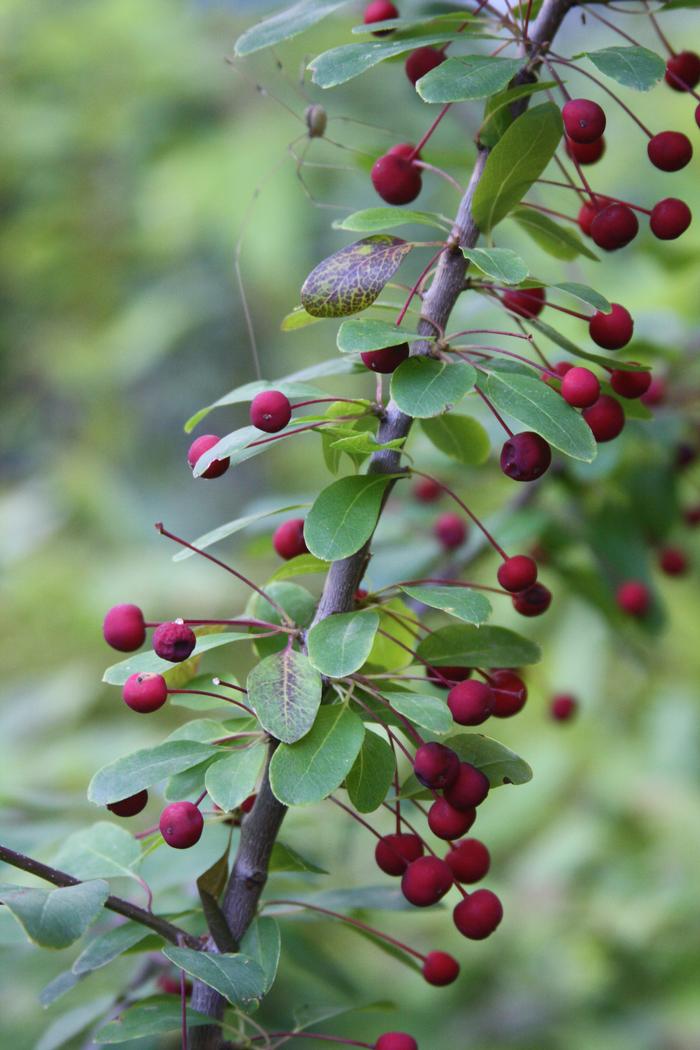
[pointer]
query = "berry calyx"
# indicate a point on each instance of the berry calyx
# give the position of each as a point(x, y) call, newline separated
point(426, 490)
point(387, 360)
point(421, 61)
point(288, 539)
point(614, 226)
point(181, 824)
point(525, 456)
point(525, 302)
point(396, 179)
point(630, 384)
point(197, 449)
point(469, 789)
point(509, 692)
point(440, 969)
point(563, 707)
point(174, 641)
point(396, 1041)
point(380, 11)
point(584, 120)
point(580, 387)
point(435, 765)
point(129, 807)
point(124, 628)
point(611, 331)
point(534, 601)
point(633, 597)
point(470, 702)
point(145, 692)
point(393, 853)
point(670, 218)
point(606, 418)
point(673, 561)
point(517, 573)
point(670, 150)
point(447, 822)
point(478, 915)
point(426, 881)
point(450, 530)
point(683, 71)
point(469, 860)
point(270, 411)
point(586, 152)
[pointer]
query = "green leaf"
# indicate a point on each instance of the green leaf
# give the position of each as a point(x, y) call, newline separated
point(467, 77)
point(371, 775)
point(103, 949)
point(341, 643)
point(101, 851)
point(56, 918)
point(70, 1024)
point(231, 527)
point(285, 25)
point(365, 444)
point(515, 162)
point(285, 692)
point(352, 278)
point(461, 602)
point(230, 780)
point(427, 711)
point(235, 976)
point(464, 645)
point(374, 220)
point(495, 760)
point(125, 776)
point(284, 858)
point(302, 565)
point(551, 236)
point(344, 516)
point(498, 115)
point(296, 319)
point(311, 769)
point(460, 437)
point(298, 603)
point(424, 387)
point(387, 654)
point(360, 334)
point(148, 662)
point(151, 1017)
point(635, 67)
point(262, 943)
point(343, 63)
point(586, 294)
point(500, 263)
point(543, 410)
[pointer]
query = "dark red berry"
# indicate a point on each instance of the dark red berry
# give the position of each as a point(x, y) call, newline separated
point(470, 702)
point(683, 71)
point(360, 594)
point(584, 120)
point(387, 360)
point(534, 601)
point(697, 114)
point(633, 597)
point(248, 803)
point(586, 152)
point(124, 628)
point(670, 218)
point(450, 530)
point(181, 824)
point(469, 789)
point(587, 214)
point(129, 807)
point(525, 302)
point(580, 387)
point(171, 985)
point(685, 455)
point(426, 490)
point(517, 573)
point(270, 411)
point(444, 677)
point(440, 969)
point(561, 368)
point(469, 860)
point(197, 449)
point(673, 561)
point(396, 1041)
point(630, 384)
point(426, 881)
point(145, 692)
point(525, 456)
point(670, 150)
point(380, 11)
point(478, 915)
point(405, 149)
point(656, 394)
point(563, 707)
point(509, 693)
point(421, 61)
point(435, 765)
point(288, 539)
point(691, 515)
point(606, 418)
point(614, 226)
point(611, 331)
point(393, 853)
point(174, 642)
point(396, 179)
point(447, 822)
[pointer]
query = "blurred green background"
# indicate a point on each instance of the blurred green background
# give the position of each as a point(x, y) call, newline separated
point(131, 153)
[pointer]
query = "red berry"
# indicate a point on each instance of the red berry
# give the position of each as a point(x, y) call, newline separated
point(587, 214)
point(197, 449)
point(450, 530)
point(525, 302)
point(394, 853)
point(584, 120)
point(174, 641)
point(145, 692)
point(563, 707)
point(673, 561)
point(444, 677)
point(614, 226)
point(181, 824)
point(685, 455)
point(396, 179)
point(670, 218)
point(509, 692)
point(421, 61)
point(469, 860)
point(633, 597)
point(440, 969)
point(171, 985)
point(360, 594)
point(469, 789)
point(630, 384)
point(248, 803)
point(396, 1041)
point(447, 822)
point(525, 456)
point(586, 152)
point(129, 807)
point(405, 149)
point(534, 601)
point(124, 629)
point(426, 490)
point(611, 331)
point(435, 765)
point(387, 360)
point(656, 394)
point(697, 114)
point(517, 573)
point(478, 915)
point(470, 702)
point(270, 411)
point(580, 387)
point(670, 150)
point(605, 418)
point(562, 367)
point(691, 515)
point(683, 71)
point(426, 881)
point(288, 539)
point(380, 11)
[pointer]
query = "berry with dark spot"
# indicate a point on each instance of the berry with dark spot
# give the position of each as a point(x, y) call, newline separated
point(174, 642)
point(270, 411)
point(584, 120)
point(525, 456)
point(181, 824)
point(145, 692)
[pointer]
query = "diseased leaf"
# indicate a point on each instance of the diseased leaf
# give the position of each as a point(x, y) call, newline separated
point(284, 690)
point(311, 769)
point(464, 645)
point(424, 387)
point(352, 278)
point(467, 77)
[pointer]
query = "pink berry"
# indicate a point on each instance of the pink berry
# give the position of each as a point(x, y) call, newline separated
point(145, 692)
point(124, 628)
point(469, 789)
point(426, 490)
point(611, 331)
point(517, 573)
point(525, 302)
point(396, 1041)
point(469, 860)
point(421, 61)
point(563, 707)
point(673, 561)
point(633, 597)
point(288, 539)
point(614, 226)
point(394, 853)
point(478, 915)
point(181, 824)
point(630, 384)
point(435, 765)
point(534, 601)
point(605, 418)
point(197, 449)
point(450, 530)
point(683, 71)
point(580, 387)
point(509, 692)
point(380, 11)
point(440, 969)
point(447, 822)
point(586, 152)
point(387, 360)
point(396, 179)
point(470, 702)
point(426, 881)
point(584, 120)
point(656, 394)
point(129, 807)
point(270, 411)
point(670, 150)
point(174, 642)
point(670, 218)
point(525, 456)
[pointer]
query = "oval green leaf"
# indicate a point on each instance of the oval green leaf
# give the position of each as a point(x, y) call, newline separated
point(374, 220)
point(285, 25)
point(341, 643)
point(635, 67)
point(467, 77)
point(500, 263)
point(467, 646)
point(344, 516)
point(361, 334)
point(55, 918)
point(311, 769)
point(125, 776)
point(495, 760)
point(371, 775)
point(460, 602)
point(232, 778)
point(459, 437)
point(423, 387)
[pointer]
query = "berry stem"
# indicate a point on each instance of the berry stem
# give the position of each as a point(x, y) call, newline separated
point(613, 200)
point(476, 351)
point(433, 127)
point(550, 211)
point(355, 816)
point(657, 28)
point(324, 400)
point(218, 696)
point(488, 331)
point(493, 409)
point(414, 290)
point(454, 583)
point(439, 172)
point(410, 730)
point(526, 23)
point(496, 546)
point(300, 430)
point(311, 1035)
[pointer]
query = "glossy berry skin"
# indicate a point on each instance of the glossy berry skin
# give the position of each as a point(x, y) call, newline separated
point(450, 530)
point(586, 152)
point(630, 384)
point(525, 456)
point(673, 561)
point(683, 71)
point(670, 218)
point(509, 692)
point(440, 969)
point(393, 853)
point(396, 1041)
point(444, 677)
point(387, 360)
point(421, 61)
point(124, 628)
point(447, 822)
point(584, 120)
point(181, 824)
point(606, 418)
point(469, 860)
point(469, 789)
point(478, 915)
point(470, 702)
point(129, 807)
point(145, 692)
point(534, 601)
point(633, 597)
point(288, 539)
point(426, 881)
point(525, 302)
point(426, 490)
point(563, 707)
point(396, 179)
point(517, 573)
point(380, 11)
point(197, 449)
point(580, 387)
point(670, 150)
point(611, 331)
point(614, 226)
point(174, 642)
point(435, 765)
point(270, 411)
